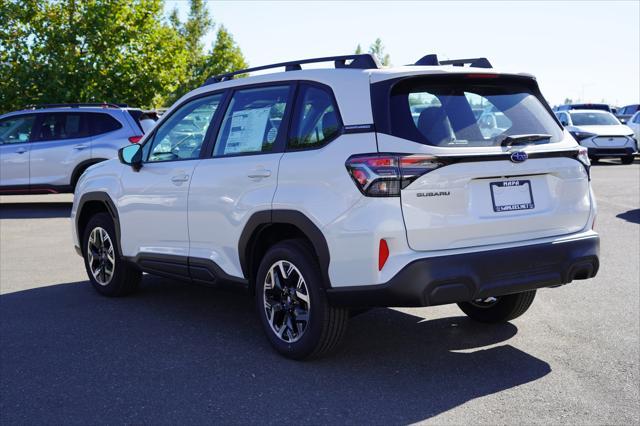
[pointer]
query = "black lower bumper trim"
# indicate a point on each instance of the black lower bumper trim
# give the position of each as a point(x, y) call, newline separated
point(464, 277)
point(610, 152)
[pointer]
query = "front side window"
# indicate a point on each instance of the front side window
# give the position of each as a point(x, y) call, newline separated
point(181, 136)
point(316, 119)
point(252, 122)
point(594, 118)
point(16, 129)
point(61, 125)
point(467, 112)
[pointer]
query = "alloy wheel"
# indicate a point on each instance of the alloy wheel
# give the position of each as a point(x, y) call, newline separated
point(101, 256)
point(286, 301)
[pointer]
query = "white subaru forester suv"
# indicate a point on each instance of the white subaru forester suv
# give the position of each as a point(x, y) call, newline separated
point(325, 190)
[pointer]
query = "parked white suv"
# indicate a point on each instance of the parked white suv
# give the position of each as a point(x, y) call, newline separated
point(45, 149)
point(321, 192)
point(601, 133)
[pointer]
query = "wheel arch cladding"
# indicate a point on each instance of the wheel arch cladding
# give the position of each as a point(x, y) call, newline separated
point(265, 228)
point(92, 203)
point(81, 167)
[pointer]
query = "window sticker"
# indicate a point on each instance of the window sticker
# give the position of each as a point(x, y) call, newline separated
point(247, 130)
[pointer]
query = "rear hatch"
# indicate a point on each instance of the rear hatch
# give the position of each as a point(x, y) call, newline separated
point(482, 159)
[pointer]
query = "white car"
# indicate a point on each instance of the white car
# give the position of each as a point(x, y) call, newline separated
point(601, 133)
point(634, 124)
point(319, 191)
point(45, 149)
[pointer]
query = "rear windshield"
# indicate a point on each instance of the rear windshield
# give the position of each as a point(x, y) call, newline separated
point(468, 112)
point(593, 119)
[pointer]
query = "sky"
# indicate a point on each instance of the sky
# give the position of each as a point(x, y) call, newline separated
point(584, 50)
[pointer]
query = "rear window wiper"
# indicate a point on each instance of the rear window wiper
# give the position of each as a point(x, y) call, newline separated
point(524, 139)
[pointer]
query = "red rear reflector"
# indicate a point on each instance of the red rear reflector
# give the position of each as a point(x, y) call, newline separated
point(135, 139)
point(383, 254)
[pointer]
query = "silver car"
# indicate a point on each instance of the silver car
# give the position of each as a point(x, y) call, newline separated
point(45, 149)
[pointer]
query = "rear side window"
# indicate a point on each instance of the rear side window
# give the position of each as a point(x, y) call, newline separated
point(99, 123)
point(61, 125)
point(252, 122)
point(465, 112)
point(16, 129)
point(316, 119)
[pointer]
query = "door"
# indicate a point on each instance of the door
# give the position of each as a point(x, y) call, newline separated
point(15, 134)
point(61, 142)
point(240, 177)
point(153, 203)
point(508, 179)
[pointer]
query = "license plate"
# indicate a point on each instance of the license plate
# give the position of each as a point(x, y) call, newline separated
point(510, 195)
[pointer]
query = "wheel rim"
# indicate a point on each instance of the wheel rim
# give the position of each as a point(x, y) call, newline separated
point(286, 301)
point(101, 256)
point(485, 303)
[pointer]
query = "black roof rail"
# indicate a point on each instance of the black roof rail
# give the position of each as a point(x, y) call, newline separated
point(78, 105)
point(472, 62)
point(360, 61)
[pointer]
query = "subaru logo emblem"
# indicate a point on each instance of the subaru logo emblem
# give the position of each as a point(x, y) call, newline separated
point(519, 156)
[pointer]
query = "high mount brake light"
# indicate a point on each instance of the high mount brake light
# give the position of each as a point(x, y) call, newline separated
point(385, 175)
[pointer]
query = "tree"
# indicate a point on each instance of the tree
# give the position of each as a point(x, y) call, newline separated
point(224, 55)
point(104, 51)
point(377, 49)
point(358, 49)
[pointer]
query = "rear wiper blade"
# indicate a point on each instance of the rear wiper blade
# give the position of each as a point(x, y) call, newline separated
point(523, 139)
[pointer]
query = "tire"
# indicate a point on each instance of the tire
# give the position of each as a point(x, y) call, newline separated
point(627, 159)
point(297, 318)
point(504, 308)
point(124, 277)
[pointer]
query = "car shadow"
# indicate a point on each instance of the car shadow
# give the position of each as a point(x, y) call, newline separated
point(176, 353)
point(35, 210)
point(632, 216)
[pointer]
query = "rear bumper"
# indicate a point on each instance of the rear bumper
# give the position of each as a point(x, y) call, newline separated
point(610, 152)
point(465, 277)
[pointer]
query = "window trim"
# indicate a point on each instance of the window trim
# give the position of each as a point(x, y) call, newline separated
point(207, 136)
point(297, 99)
point(35, 120)
point(279, 144)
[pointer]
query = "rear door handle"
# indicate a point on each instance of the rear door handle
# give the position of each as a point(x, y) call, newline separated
point(180, 178)
point(81, 146)
point(21, 150)
point(259, 173)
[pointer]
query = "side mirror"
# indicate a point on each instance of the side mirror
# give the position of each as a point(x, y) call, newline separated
point(131, 155)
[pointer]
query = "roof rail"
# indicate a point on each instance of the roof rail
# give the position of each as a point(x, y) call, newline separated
point(473, 62)
point(77, 105)
point(360, 61)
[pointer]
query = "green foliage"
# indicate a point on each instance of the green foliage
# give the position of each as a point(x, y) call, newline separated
point(104, 51)
point(377, 49)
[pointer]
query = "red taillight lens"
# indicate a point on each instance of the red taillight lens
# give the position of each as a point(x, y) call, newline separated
point(385, 175)
point(383, 254)
point(135, 139)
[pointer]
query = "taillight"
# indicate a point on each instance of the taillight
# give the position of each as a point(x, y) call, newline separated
point(135, 139)
point(385, 175)
point(583, 156)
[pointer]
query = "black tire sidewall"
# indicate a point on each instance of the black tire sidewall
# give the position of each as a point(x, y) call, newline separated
point(299, 255)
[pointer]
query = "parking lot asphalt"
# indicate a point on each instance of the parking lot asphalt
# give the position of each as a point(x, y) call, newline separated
point(178, 353)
